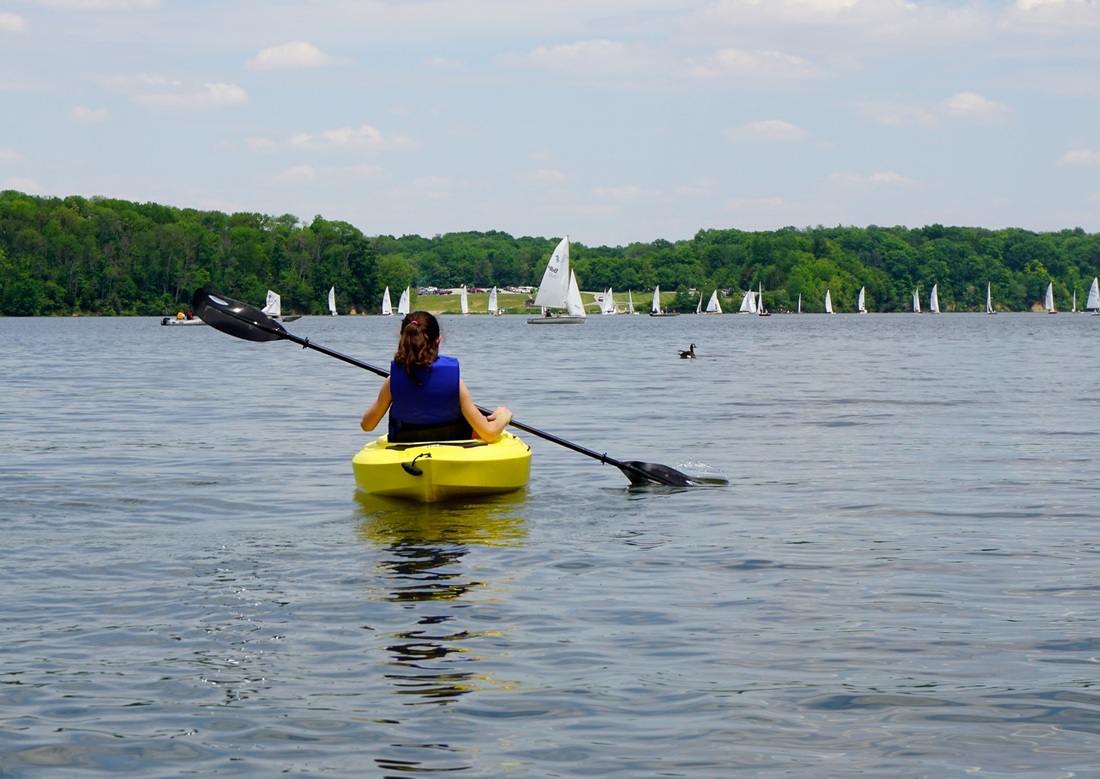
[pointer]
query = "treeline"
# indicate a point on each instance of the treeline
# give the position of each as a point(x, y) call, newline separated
point(60, 256)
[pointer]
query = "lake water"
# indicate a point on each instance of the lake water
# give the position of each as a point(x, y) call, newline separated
point(899, 579)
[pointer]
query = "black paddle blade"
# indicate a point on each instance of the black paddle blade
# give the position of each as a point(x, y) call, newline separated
point(641, 474)
point(236, 318)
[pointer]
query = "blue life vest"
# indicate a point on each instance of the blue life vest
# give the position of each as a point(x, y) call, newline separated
point(432, 403)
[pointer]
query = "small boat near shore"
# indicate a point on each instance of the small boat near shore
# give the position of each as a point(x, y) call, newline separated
point(442, 470)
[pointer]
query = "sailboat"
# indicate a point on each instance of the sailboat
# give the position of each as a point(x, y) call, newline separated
point(630, 303)
point(934, 300)
point(1049, 303)
point(1074, 309)
point(387, 307)
point(608, 306)
point(760, 310)
point(274, 308)
point(699, 305)
point(828, 302)
point(989, 298)
point(800, 302)
point(464, 302)
point(559, 290)
point(916, 301)
point(493, 302)
point(1093, 303)
point(712, 304)
point(403, 304)
point(332, 300)
point(862, 300)
point(656, 308)
point(748, 303)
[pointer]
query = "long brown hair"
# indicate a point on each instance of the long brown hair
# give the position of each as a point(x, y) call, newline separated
point(418, 345)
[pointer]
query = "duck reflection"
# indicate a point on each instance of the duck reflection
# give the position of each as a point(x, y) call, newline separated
point(425, 547)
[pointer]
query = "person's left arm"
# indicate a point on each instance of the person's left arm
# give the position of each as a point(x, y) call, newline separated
point(487, 428)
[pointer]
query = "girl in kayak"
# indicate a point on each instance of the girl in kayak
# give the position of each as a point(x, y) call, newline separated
point(424, 394)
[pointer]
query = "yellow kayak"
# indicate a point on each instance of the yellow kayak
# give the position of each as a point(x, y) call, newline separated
point(441, 470)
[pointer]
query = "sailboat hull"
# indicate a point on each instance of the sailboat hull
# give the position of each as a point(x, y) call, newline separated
point(442, 470)
point(564, 319)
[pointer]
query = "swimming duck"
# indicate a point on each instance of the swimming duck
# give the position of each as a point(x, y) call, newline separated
point(689, 354)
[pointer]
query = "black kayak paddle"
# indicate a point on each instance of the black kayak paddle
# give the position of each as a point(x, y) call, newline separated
point(251, 324)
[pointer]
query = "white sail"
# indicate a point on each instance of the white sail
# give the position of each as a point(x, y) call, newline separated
point(1074, 310)
point(656, 300)
point(630, 303)
point(800, 302)
point(989, 298)
point(748, 303)
point(403, 304)
point(274, 307)
point(608, 306)
point(934, 300)
point(828, 302)
point(916, 301)
point(862, 300)
point(464, 301)
point(332, 300)
point(712, 304)
point(1049, 304)
point(555, 279)
point(387, 307)
point(493, 301)
point(699, 305)
point(573, 303)
point(1093, 303)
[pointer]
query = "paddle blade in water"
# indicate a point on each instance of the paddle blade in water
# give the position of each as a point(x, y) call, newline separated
point(641, 474)
point(236, 318)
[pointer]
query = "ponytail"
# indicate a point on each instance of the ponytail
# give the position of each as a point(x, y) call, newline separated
point(418, 344)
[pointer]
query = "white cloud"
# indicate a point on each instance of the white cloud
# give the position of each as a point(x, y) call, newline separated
point(629, 192)
point(545, 176)
point(971, 105)
point(737, 204)
point(1081, 157)
point(767, 130)
point(364, 136)
point(260, 144)
point(91, 115)
point(26, 185)
point(757, 64)
point(101, 5)
point(289, 56)
point(873, 180)
point(210, 96)
point(298, 173)
point(10, 22)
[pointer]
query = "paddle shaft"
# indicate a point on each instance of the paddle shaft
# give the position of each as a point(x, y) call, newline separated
point(305, 343)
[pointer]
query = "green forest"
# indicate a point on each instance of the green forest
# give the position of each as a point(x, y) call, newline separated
point(88, 256)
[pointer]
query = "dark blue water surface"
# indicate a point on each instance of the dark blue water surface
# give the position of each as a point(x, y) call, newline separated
point(900, 578)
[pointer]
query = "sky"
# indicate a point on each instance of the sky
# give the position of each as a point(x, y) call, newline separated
point(611, 121)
